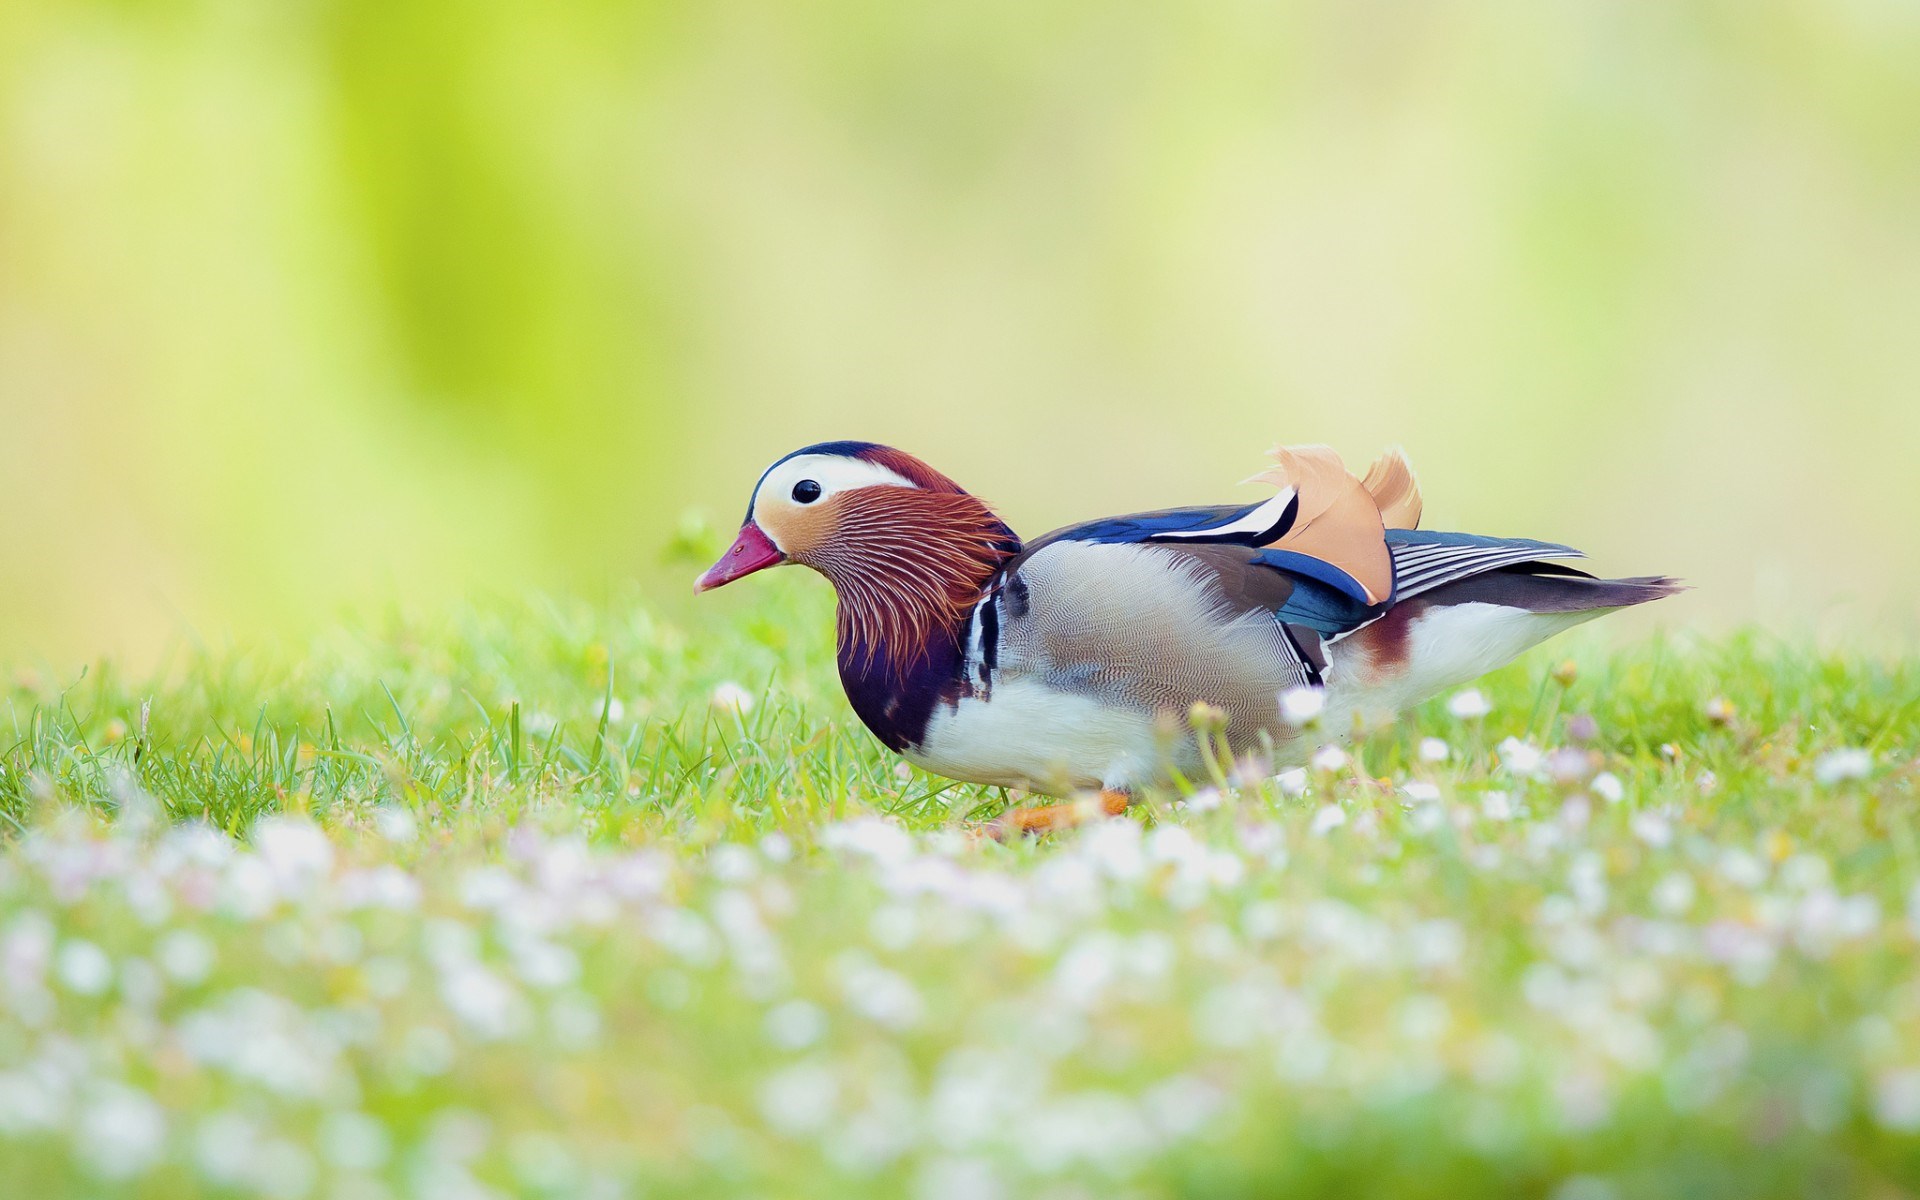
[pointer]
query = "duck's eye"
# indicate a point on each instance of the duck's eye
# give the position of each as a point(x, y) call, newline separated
point(806, 491)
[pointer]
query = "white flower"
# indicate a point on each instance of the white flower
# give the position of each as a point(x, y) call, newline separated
point(777, 847)
point(483, 1001)
point(731, 697)
point(1205, 800)
point(730, 862)
point(385, 887)
point(1651, 827)
point(83, 967)
point(186, 956)
point(281, 1169)
point(1434, 750)
point(959, 1179)
point(883, 841)
point(880, 995)
point(1420, 791)
point(1674, 894)
point(1608, 787)
point(1469, 704)
point(223, 1147)
point(800, 1100)
point(1292, 782)
point(1896, 1100)
point(1329, 759)
point(1836, 766)
point(1521, 758)
point(1302, 705)
point(1497, 806)
point(296, 850)
point(795, 1025)
point(354, 1141)
point(395, 824)
point(120, 1132)
point(1329, 818)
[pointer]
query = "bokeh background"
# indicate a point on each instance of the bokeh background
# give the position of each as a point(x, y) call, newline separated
point(308, 304)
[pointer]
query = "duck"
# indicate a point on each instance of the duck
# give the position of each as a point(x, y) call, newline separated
point(1087, 665)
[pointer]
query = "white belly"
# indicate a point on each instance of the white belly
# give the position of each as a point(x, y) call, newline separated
point(1446, 647)
point(1029, 735)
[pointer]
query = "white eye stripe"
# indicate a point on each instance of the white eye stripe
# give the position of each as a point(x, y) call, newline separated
point(833, 472)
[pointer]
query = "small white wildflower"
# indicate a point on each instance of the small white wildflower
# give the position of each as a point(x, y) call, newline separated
point(29, 1101)
point(1674, 894)
point(1434, 750)
point(295, 850)
point(484, 1002)
point(186, 956)
point(1568, 765)
point(1302, 705)
point(1329, 818)
point(1837, 766)
point(1585, 1187)
point(1329, 759)
point(120, 1132)
point(882, 996)
point(959, 1179)
point(1805, 872)
point(1205, 800)
point(800, 1100)
point(1420, 791)
point(1469, 704)
point(883, 841)
point(731, 862)
point(1743, 869)
point(83, 967)
point(1651, 827)
point(731, 697)
point(1497, 806)
point(395, 824)
point(1896, 1100)
point(1292, 782)
point(282, 1170)
point(1521, 758)
point(776, 847)
point(1608, 787)
point(354, 1141)
point(223, 1146)
point(795, 1024)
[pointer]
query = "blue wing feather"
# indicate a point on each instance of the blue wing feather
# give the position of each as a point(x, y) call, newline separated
point(1325, 598)
point(1143, 527)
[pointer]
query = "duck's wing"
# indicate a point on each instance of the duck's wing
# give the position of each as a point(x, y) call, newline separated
point(1426, 560)
point(1319, 542)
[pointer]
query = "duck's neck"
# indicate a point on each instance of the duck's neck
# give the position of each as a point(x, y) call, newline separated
point(908, 578)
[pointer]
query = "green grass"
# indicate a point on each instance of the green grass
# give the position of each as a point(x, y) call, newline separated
point(504, 903)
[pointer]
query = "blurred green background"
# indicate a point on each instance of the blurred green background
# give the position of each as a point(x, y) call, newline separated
point(313, 303)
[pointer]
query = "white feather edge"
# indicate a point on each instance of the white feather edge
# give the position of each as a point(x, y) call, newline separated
point(1260, 519)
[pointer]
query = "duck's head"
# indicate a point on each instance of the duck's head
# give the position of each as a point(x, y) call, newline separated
point(905, 546)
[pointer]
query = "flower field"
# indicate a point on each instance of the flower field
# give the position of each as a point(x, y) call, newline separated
point(546, 900)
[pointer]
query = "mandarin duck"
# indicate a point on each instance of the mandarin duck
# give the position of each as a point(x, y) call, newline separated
point(1072, 665)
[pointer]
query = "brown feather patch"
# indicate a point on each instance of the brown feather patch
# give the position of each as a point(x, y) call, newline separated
point(1391, 483)
point(906, 562)
point(908, 467)
point(1338, 521)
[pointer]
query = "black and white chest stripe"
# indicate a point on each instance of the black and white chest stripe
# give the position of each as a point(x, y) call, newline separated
point(1005, 596)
